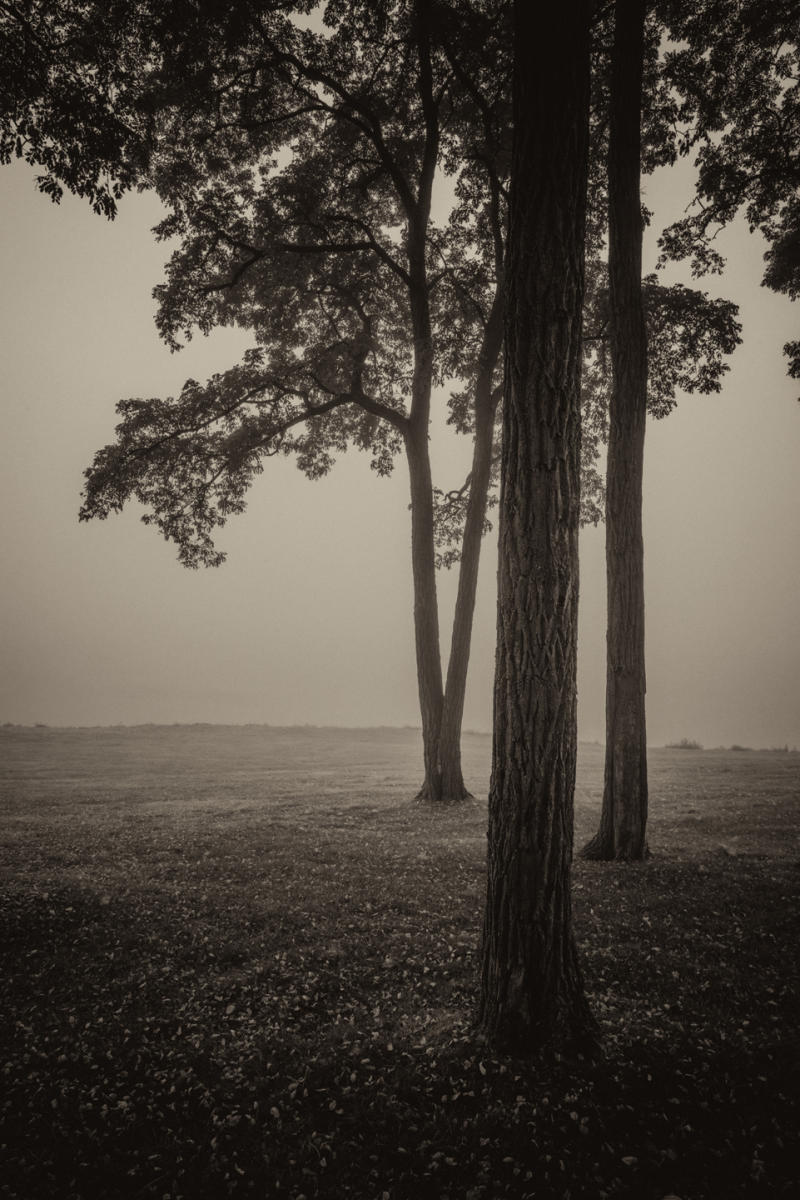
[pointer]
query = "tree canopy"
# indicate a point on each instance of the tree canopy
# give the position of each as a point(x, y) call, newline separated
point(301, 201)
point(735, 67)
point(286, 156)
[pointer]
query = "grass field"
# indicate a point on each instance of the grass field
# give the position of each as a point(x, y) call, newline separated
point(240, 961)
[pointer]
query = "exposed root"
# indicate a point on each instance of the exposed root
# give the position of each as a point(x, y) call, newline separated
point(425, 795)
point(601, 849)
point(597, 850)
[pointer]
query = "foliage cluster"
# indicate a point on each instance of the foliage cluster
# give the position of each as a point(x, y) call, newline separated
point(740, 113)
point(68, 71)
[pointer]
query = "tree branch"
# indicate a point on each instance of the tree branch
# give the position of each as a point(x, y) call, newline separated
point(369, 124)
point(346, 248)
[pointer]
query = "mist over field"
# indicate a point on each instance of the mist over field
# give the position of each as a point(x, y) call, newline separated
point(309, 620)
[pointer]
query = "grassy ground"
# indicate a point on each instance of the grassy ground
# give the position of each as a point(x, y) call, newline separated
point(241, 962)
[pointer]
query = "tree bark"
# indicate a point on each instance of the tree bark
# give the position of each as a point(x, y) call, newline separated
point(623, 820)
point(531, 988)
point(455, 689)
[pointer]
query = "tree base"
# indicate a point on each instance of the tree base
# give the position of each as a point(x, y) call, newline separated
point(596, 850)
point(602, 849)
point(567, 1040)
point(427, 795)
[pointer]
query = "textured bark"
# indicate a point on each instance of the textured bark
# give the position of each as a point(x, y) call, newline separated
point(623, 820)
point(456, 686)
point(531, 988)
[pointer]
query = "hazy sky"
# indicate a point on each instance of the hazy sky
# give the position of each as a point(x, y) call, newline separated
point(309, 620)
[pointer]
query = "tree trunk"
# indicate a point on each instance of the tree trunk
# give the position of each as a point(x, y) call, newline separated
point(455, 690)
point(531, 989)
point(423, 555)
point(426, 607)
point(623, 821)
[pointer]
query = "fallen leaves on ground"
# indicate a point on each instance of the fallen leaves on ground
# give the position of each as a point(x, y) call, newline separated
point(220, 1003)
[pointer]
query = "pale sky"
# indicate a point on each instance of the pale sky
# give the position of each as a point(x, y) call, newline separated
point(309, 620)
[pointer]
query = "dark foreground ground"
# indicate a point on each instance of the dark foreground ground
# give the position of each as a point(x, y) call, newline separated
point(242, 962)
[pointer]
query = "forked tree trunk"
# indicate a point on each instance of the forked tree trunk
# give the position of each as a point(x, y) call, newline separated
point(623, 820)
point(531, 988)
point(455, 689)
point(441, 721)
point(442, 710)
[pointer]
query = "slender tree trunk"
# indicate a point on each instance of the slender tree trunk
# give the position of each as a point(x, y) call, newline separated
point(441, 715)
point(623, 821)
point(423, 556)
point(531, 989)
point(426, 607)
point(455, 690)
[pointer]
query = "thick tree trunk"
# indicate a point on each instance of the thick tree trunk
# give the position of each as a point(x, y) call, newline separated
point(455, 689)
point(623, 821)
point(531, 989)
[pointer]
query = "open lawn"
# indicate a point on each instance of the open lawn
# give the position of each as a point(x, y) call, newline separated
point(240, 961)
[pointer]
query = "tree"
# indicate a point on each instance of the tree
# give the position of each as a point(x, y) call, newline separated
point(478, 58)
point(299, 172)
point(531, 987)
point(688, 333)
point(624, 814)
point(228, 111)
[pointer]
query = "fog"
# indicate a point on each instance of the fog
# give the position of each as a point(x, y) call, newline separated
point(309, 620)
